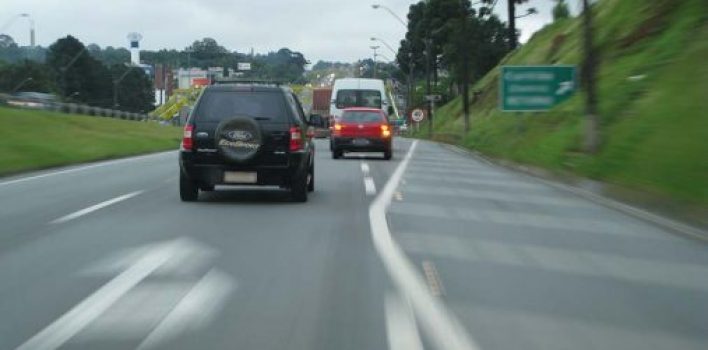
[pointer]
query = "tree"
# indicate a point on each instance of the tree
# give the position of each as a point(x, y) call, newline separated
point(134, 88)
point(477, 44)
point(80, 77)
point(283, 65)
point(560, 10)
point(9, 51)
point(7, 41)
point(512, 35)
point(207, 52)
point(26, 76)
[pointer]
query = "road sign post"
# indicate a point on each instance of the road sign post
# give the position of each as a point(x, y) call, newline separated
point(417, 115)
point(535, 88)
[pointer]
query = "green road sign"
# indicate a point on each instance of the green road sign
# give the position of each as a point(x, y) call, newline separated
point(535, 88)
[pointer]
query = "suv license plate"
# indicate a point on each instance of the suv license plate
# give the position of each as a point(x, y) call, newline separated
point(240, 177)
point(360, 142)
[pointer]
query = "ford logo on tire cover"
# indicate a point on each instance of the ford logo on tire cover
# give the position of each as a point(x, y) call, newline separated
point(239, 135)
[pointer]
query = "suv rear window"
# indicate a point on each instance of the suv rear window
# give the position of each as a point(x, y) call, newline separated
point(362, 117)
point(358, 98)
point(218, 105)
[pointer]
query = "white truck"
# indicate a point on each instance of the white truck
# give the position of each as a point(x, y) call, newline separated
point(359, 92)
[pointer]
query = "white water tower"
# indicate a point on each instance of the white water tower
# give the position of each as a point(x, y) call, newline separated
point(134, 39)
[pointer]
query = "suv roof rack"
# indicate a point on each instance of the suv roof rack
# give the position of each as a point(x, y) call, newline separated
point(221, 81)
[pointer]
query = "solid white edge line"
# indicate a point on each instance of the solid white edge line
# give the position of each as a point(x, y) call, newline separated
point(439, 324)
point(401, 329)
point(74, 320)
point(369, 186)
point(95, 207)
point(82, 168)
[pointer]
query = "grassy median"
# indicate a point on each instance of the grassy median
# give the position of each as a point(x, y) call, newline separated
point(33, 139)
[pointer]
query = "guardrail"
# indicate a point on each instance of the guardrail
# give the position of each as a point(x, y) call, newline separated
point(73, 108)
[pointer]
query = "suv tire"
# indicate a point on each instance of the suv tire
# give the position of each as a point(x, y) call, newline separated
point(188, 190)
point(298, 191)
point(311, 175)
point(388, 154)
point(336, 154)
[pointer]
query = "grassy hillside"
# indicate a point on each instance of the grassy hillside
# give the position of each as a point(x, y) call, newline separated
point(33, 139)
point(653, 86)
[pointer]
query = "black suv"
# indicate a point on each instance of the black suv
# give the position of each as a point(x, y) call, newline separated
point(247, 134)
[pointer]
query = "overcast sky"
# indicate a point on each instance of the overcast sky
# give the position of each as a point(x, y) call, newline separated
point(333, 30)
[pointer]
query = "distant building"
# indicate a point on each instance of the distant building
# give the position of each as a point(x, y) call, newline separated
point(163, 83)
point(186, 77)
point(192, 77)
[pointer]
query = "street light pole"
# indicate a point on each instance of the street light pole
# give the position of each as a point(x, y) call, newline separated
point(378, 6)
point(31, 21)
point(375, 47)
point(385, 44)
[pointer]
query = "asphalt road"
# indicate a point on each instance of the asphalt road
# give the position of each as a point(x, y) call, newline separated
point(465, 256)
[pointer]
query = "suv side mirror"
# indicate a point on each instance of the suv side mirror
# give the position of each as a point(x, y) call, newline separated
point(316, 121)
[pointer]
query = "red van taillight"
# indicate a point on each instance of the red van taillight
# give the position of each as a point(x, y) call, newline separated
point(296, 142)
point(187, 140)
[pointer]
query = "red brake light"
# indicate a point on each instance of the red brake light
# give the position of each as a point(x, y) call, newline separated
point(296, 141)
point(385, 132)
point(187, 140)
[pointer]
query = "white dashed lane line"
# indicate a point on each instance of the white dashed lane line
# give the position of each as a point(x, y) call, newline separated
point(95, 207)
point(369, 185)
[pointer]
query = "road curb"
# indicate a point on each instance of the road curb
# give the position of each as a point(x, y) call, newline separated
point(549, 178)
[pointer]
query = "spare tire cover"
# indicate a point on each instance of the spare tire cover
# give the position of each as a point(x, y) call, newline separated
point(238, 139)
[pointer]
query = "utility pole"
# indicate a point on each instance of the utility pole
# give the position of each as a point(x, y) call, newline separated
point(410, 82)
point(592, 137)
point(428, 45)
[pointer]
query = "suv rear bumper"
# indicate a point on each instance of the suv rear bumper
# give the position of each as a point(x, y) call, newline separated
point(208, 174)
point(374, 144)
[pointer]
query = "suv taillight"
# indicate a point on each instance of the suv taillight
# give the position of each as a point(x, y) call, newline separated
point(296, 141)
point(187, 140)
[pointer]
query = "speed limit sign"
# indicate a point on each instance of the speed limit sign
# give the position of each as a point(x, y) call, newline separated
point(417, 115)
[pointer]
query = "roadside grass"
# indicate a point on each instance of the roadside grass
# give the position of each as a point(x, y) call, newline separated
point(35, 139)
point(652, 87)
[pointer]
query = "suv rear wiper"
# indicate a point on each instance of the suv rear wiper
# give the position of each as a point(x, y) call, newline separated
point(261, 118)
